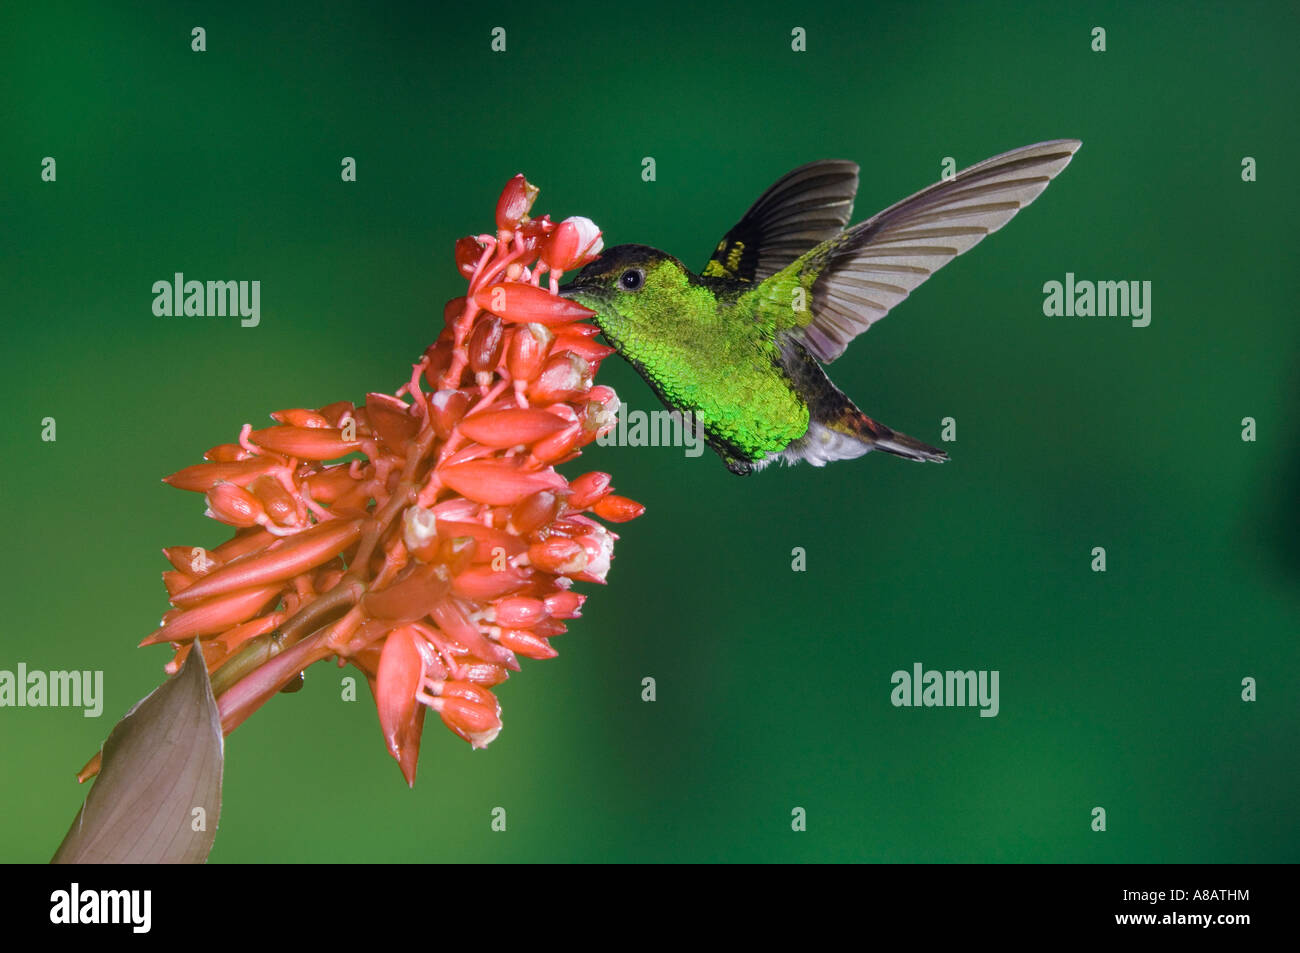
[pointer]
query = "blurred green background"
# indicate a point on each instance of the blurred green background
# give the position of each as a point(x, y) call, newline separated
point(1119, 690)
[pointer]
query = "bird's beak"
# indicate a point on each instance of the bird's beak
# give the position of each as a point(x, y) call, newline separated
point(567, 290)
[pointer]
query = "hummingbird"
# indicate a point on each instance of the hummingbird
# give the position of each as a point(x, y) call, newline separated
point(740, 345)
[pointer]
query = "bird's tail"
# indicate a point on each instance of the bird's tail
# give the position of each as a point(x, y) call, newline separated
point(880, 437)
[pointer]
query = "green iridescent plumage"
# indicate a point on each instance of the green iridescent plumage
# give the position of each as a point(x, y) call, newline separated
point(739, 344)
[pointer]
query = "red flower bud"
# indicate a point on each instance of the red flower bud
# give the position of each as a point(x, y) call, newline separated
point(293, 555)
point(484, 673)
point(468, 252)
point(516, 199)
point(510, 427)
point(618, 509)
point(234, 505)
point(519, 612)
point(527, 644)
point(558, 555)
point(335, 413)
point(275, 499)
point(563, 376)
point(529, 347)
point(522, 303)
point(485, 344)
point(392, 420)
point(448, 407)
point(328, 485)
point(401, 717)
point(572, 244)
point(498, 481)
point(583, 346)
point(588, 488)
point(227, 453)
point(215, 615)
point(477, 724)
point(565, 604)
point(305, 443)
point(298, 417)
point(558, 447)
point(412, 596)
point(202, 477)
point(483, 583)
point(534, 511)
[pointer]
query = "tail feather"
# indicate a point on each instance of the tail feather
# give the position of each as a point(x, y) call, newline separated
point(891, 441)
point(838, 430)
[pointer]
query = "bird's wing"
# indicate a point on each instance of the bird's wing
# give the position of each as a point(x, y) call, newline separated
point(857, 278)
point(801, 210)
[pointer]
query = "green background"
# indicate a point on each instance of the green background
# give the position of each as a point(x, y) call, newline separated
point(1119, 690)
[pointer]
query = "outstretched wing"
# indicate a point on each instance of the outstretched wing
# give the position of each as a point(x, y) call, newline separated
point(856, 279)
point(802, 209)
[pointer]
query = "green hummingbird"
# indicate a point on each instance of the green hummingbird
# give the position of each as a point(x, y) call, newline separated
point(738, 346)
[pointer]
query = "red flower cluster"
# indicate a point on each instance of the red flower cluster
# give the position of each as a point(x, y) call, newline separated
point(448, 545)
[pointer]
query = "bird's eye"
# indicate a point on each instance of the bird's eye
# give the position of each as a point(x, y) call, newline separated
point(632, 279)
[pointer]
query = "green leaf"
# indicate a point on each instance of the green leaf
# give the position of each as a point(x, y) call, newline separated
point(160, 780)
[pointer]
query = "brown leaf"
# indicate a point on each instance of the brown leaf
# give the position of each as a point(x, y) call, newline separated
point(161, 763)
